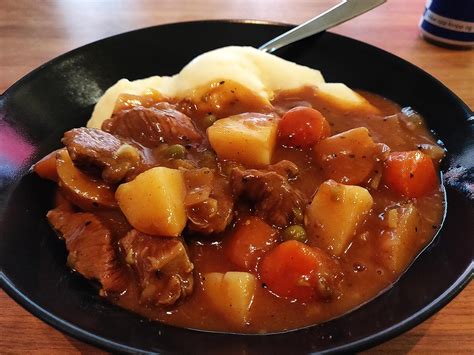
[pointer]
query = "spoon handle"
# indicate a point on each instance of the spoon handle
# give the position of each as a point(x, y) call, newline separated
point(345, 10)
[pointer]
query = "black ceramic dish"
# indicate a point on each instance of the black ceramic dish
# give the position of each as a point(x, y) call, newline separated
point(60, 95)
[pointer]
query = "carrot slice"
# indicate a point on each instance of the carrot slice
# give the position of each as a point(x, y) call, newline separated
point(249, 241)
point(411, 174)
point(296, 271)
point(302, 127)
point(46, 167)
point(81, 189)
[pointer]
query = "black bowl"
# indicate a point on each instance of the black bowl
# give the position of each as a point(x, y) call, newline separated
point(60, 95)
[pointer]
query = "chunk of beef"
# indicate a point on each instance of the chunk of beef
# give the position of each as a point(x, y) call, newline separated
point(162, 266)
point(151, 126)
point(285, 168)
point(91, 252)
point(209, 202)
point(276, 201)
point(98, 151)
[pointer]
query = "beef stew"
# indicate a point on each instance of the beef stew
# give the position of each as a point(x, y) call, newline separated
point(176, 215)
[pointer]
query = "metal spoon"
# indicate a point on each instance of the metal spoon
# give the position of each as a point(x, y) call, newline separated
point(345, 10)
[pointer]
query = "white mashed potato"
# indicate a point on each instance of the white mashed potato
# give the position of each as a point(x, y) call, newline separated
point(260, 72)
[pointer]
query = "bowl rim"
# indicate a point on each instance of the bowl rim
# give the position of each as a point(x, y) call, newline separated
point(374, 339)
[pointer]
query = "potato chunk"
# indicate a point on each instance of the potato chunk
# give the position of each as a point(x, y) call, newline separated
point(347, 157)
point(154, 202)
point(340, 96)
point(400, 241)
point(231, 294)
point(248, 138)
point(226, 98)
point(335, 213)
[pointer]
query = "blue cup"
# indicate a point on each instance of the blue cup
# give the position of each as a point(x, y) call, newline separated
point(449, 22)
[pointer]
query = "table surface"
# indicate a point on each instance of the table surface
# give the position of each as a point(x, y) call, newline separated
point(32, 32)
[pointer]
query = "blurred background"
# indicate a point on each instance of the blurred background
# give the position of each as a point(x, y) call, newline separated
point(32, 32)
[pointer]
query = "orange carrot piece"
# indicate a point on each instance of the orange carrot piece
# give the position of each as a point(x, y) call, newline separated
point(302, 127)
point(296, 271)
point(81, 189)
point(46, 167)
point(250, 240)
point(410, 173)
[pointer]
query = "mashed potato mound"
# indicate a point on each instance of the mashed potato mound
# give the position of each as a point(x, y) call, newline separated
point(261, 72)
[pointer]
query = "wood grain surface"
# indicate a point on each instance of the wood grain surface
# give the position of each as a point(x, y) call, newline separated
point(33, 32)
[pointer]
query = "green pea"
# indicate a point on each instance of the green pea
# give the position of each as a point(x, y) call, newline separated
point(208, 121)
point(176, 151)
point(294, 232)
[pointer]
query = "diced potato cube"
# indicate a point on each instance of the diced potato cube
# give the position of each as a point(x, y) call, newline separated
point(347, 157)
point(231, 294)
point(344, 98)
point(399, 244)
point(335, 213)
point(247, 138)
point(154, 202)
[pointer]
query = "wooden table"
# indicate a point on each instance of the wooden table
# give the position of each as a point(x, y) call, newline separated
point(32, 32)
